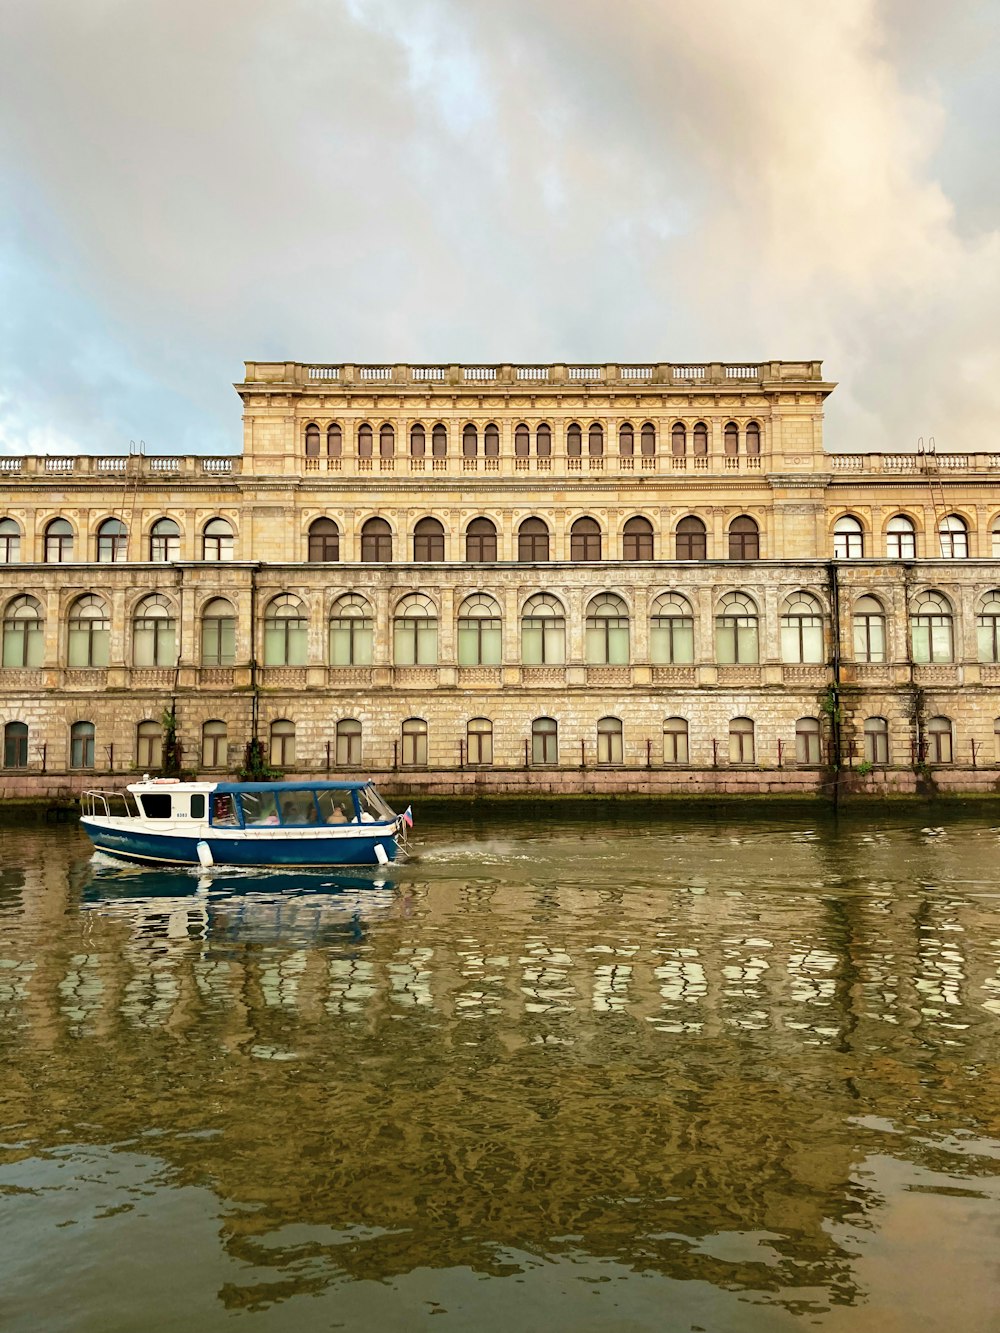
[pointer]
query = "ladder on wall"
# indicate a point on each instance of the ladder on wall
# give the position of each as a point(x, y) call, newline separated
point(130, 493)
point(932, 472)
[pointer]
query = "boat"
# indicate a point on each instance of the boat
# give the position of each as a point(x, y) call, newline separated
point(164, 821)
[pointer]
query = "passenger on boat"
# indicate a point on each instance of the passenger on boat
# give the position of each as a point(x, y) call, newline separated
point(337, 815)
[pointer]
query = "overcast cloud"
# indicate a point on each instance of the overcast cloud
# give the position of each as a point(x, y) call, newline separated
point(187, 185)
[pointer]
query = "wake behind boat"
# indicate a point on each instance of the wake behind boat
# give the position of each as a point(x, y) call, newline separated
point(164, 821)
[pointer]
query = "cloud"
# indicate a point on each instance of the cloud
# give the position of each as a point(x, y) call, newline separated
point(437, 179)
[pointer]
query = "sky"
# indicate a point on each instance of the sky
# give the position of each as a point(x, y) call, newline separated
point(186, 186)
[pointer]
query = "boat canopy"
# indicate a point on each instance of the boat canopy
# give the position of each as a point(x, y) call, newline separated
point(305, 785)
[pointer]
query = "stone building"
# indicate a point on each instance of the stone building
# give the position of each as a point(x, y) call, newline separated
point(510, 577)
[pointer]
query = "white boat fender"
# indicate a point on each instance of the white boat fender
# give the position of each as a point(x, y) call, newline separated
point(381, 855)
point(205, 856)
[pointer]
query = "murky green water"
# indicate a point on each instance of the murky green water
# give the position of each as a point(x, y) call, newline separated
point(705, 1075)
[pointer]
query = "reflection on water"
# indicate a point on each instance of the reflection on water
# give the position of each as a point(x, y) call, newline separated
point(735, 1076)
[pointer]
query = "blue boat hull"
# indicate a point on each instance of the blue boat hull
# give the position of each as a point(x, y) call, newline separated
point(172, 849)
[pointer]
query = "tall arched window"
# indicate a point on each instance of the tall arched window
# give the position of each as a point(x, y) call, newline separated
point(418, 440)
point(900, 538)
point(88, 640)
point(414, 737)
point(585, 539)
point(932, 628)
point(595, 440)
point(848, 538)
point(428, 540)
point(753, 439)
point(808, 741)
point(675, 741)
point(544, 741)
point(940, 741)
point(286, 632)
point(479, 741)
point(218, 633)
point(543, 440)
point(731, 439)
point(741, 741)
point(869, 630)
point(678, 439)
point(647, 440)
point(282, 743)
point(81, 745)
point(691, 540)
point(626, 440)
point(334, 440)
point(58, 542)
point(214, 744)
point(415, 631)
point(736, 629)
point(439, 441)
point(876, 740)
point(700, 435)
point(324, 541)
point(312, 440)
point(154, 633)
point(470, 441)
point(522, 441)
point(23, 633)
point(365, 440)
point(112, 541)
point(607, 631)
point(386, 441)
point(988, 627)
point(348, 743)
point(10, 541)
point(149, 744)
point(954, 536)
point(744, 538)
point(533, 540)
point(481, 540)
point(671, 630)
point(637, 539)
point(802, 629)
point(164, 541)
point(217, 540)
point(491, 440)
point(574, 440)
point(995, 539)
point(376, 541)
point(15, 745)
point(351, 631)
point(479, 642)
point(610, 746)
point(543, 631)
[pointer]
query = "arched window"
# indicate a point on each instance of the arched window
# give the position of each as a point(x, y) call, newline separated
point(418, 441)
point(439, 441)
point(753, 439)
point(808, 741)
point(214, 744)
point(282, 743)
point(848, 538)
point(691, 540)
point(58, 542)
point(112, 541)
point(610, 749)
point(415, 631)
point(533, 540)
point(491, 440)
point(324, 541)
point(470, 441)
point(428, 540)
point(954, 536)
point(218, 633)
point(932, 628)
point(365, 440)
point(607, 631)
point(286, 632)
point(348, 743)
point(376, 541)
point(940, 746)
point(802, 629)
point(481, 540)
point(23, 633)
point(351, 631)
point(574, 440)
point(386, 441)
point(543, 631)
point(217, 540)
point(544, 741)
point(876, 740)
point(637, 539)
point(585, 540)
point(736, 629)
point(312, 440)
point(334, 440)
point(414, 735)
point(522, 441)
point(744, 538)
point(700, 434)
point(543, 440)
point(81, 745)
point(149, 745)
point(479, 631)
point(741, 746)
point(89, 633)
point(479, 741)
point(154, 633)
point(10, 542)
point(626, 440)
point(900, 538)
point(164, 541)
point(675, 741)
point(678, 439)
point(15, 745)
point(869, 630)
point(731, 439)
point(988, 627)
point(595, 440)
point(647, 440)
point(671, 630)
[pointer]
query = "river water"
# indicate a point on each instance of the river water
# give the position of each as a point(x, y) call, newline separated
point(644, 1072)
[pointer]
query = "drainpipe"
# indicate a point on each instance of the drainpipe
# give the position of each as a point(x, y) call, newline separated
point(836, 739)
point(254, 689)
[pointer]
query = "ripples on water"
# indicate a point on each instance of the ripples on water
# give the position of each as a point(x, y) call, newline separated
point(628, 1075)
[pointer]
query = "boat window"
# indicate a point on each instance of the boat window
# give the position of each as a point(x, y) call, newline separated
point(259, 807)
point(156, 805)
point(224, 810)
point(297, 807)
point(198, 805)
point(335, 807)
point(373, 808)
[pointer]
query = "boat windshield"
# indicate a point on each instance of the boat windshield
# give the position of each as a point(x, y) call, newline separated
point(372, 805)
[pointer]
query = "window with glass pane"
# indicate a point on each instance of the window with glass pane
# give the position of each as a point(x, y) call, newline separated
point(744, 539)
point(954, 537)
point(58, 542)
point(574, 440)
point(470, 441)
point(481, 540)
point(112, 541)
point(376, 541)
point(876, 740)
point(365, 440)
point(418, 441)
point(609, 741)
point(543, 631)
point(414, 738)
point(479, 639)
point(164, 541)
point(848, 538)
point(595, 440)
point(351, 632)
point(348, 741)
point(996, 740)
point(932, 629)
point(731, 439)
point(491, 441)
point(386, 441)
point(89, 633)
point(543, 440)
point(647, 440)
point(312, 440)
point(81, 745)
point(544, 741)
point(334, 440)
point(15, 745)
point(900, 538)
point(585, 540)
point(415, 632)
point(23, 633)
point(217, 540)
point(324, 541)
point(700, 435)
point(678, 439)
point(626, 439)
point(607, 631)
point(736, 630)
point(148, 745)
point(286, 632)
point(428, 540)
point(753, 439)
point(691, 539)
point(671, 630)
point(533, 540)
point(995, 543)
point(282, 743)
point(439, 441)
point(802, 629)
point(479, 741)
point(522, 441)
point(988, 628)
point(940, 749)
point(675, 741)
point(637, 539)
point(10, 542)
point(869, 630)
point(214, 744)
point(741, 747)
point(808, 741)
point(218, 634)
